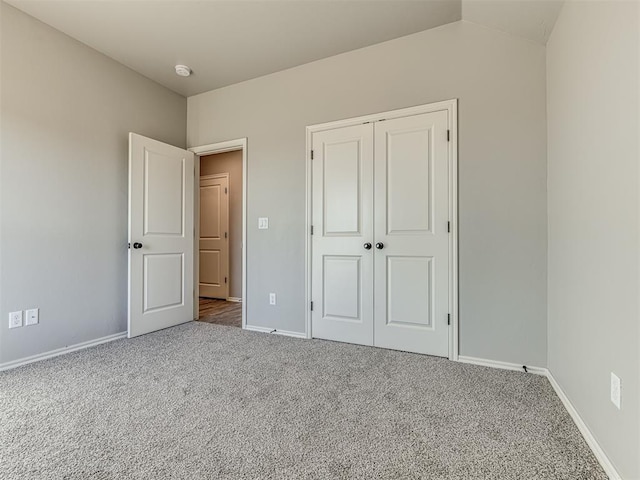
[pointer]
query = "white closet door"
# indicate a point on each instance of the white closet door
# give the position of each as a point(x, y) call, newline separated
point(411, 215)
point(342, 278)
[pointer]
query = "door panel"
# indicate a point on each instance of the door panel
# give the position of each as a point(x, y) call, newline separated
point(342, 171)
point(341, 288)
point(409, 176)
point(210, 268)
point(164, 281)
point(210, 219)
point(411, 215)
point(409, 285)
point(161, 182)
point(214, 241)
point(163, 194)
point(342, 278)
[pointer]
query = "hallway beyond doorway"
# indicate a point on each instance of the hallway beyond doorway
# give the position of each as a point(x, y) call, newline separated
point(220, 312)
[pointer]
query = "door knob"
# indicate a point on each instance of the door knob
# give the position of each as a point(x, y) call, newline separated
point(367, 246)
point(379, 245)
point(137, 245)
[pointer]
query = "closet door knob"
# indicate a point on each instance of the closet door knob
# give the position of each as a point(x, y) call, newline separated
point(379, 245)
point(367, 246)
point(137, 245)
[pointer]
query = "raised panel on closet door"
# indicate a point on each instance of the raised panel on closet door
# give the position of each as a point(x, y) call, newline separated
point(342, 268)
point(411, 215)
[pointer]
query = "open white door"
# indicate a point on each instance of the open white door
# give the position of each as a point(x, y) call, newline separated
point(161, 237)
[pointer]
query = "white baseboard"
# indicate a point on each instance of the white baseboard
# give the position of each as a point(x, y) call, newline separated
point(286, 333)
point(503, 365)
point(602, 458)
point(61, 351)
point(234, 299)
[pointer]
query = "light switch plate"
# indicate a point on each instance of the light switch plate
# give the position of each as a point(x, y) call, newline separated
point(616, 390)
point(272, 299)
point(263, 223)
point(31, 316)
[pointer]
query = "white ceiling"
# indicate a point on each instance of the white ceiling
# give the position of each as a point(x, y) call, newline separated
point(229, 41)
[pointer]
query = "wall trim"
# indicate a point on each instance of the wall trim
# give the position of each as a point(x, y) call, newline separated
point(483, 362)
point(285, 333)
point(234, 299)
point(595, 447)
point(593, 444)
point(61, 351)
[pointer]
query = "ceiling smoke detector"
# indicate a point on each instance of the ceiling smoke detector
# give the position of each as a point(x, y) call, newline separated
point(183, 70)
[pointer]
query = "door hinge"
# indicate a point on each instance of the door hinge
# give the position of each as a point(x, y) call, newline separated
point(225, 279)
point(312, 306)
point(448, 135)
point(225, 190)
point(311, 154)
point(311, 229)
point(449, 227)
point(448, 319)
point(225, 234)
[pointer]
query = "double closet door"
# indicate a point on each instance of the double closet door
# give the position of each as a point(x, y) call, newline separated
point(380, 245)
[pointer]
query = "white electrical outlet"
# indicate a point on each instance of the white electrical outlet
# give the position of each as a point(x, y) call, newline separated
point(616, 390)
point(263, 223)
point(15, 319)
point(272, 299)
point(31, 317)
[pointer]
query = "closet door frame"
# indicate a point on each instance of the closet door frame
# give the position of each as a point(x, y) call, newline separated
point(451, 107)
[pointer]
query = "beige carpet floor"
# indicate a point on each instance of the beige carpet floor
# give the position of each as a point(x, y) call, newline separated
point(203, 401)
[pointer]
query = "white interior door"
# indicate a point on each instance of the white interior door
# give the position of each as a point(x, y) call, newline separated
point(214, 236)
point(411, 234)
point(161, 198)
point(342, 269)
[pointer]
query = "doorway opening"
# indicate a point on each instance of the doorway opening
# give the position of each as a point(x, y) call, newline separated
point(220, 259)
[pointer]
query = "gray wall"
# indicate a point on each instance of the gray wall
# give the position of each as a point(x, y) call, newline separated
point(500, 82)
point(66, 111)
point(593, 124)
point(231, 163)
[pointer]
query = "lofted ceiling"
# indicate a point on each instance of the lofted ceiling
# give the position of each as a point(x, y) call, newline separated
point(531, 19)
point(229, 41)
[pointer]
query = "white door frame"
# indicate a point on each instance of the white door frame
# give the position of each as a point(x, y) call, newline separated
point(201, 151)
point(451, 106)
